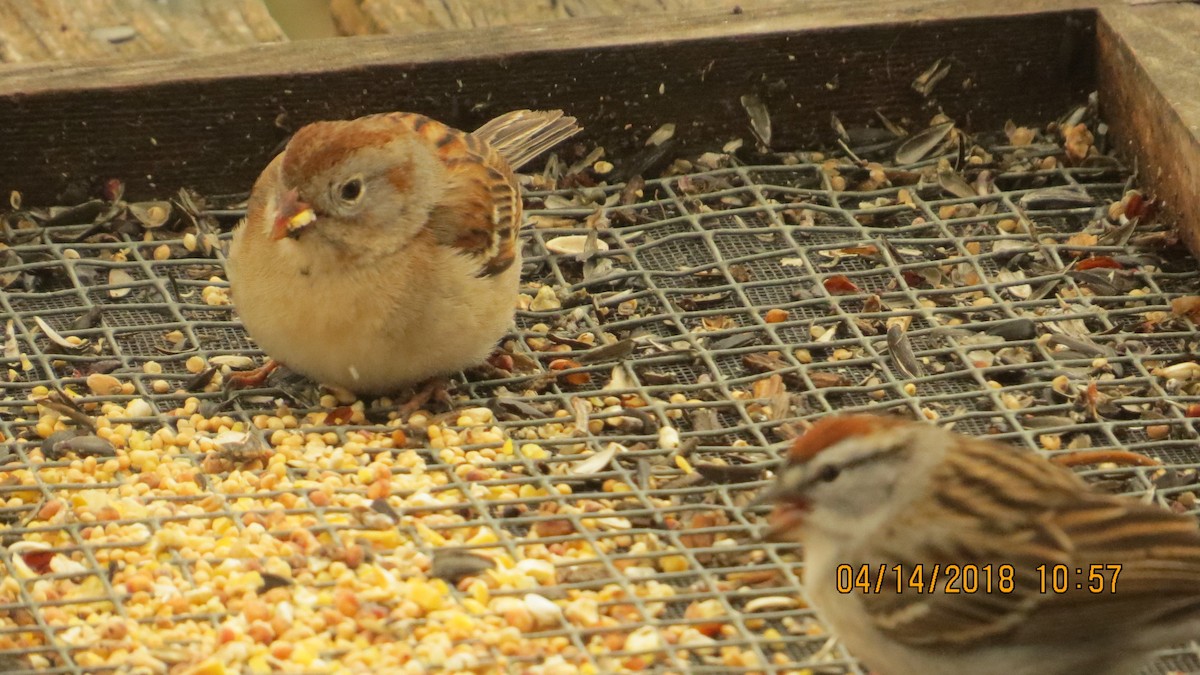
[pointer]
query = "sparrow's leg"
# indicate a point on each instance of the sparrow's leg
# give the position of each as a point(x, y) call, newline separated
point(251, 379)
point(436, 389)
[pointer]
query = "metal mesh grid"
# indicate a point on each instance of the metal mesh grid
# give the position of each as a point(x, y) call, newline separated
point(692, 268)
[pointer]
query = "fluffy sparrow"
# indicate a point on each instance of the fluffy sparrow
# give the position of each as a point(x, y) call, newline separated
point(862, 492)
point(380, 252)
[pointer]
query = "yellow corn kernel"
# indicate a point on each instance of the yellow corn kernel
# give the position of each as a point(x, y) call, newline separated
point(534, 451)
point(430, 536)
point(210, 666)
point(479, 591)
point(304, 654)
point(475, 607)
point(259, 665)
point(484, 536)
point(529, 491)
point(429, 595)
point(461, 623)
point(673, 563)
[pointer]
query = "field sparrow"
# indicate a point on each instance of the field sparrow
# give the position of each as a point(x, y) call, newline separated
point(380, 252)
point(1082, 582)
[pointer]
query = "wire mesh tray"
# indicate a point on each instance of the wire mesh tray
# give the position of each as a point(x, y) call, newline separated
point(581, 513)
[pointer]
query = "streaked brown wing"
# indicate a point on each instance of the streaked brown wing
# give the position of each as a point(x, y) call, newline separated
point(1159, 557)
point(480, 213)
point(1033, 513)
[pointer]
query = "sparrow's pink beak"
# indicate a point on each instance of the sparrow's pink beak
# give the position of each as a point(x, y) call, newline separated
point(785, 521)
point(292, 217)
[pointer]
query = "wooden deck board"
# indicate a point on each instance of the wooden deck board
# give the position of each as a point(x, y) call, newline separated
point(1149, 72)
point(54, 30)
point(366, 17)
point(335, 54)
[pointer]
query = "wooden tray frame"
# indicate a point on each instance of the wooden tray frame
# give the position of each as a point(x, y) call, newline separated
point(212, 121)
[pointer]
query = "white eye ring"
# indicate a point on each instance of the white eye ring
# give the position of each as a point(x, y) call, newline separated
point(351, 192)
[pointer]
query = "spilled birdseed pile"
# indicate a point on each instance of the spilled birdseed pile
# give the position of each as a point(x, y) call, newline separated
point(579, 509)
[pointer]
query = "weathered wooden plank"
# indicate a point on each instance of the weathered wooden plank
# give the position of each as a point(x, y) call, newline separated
point(318, 57)
point(1149, 72)
point(211, 121)
point(399, 17)
point(303, 19)
point(45, 30)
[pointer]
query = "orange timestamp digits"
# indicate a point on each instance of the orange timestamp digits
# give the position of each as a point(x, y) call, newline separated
point(953, 579)
point(926, 578)
point(1059, 579)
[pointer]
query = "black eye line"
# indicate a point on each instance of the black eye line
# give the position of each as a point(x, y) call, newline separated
point(823, 474)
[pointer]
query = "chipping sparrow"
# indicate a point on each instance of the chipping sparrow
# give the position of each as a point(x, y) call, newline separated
point(1094, 581)
point(382, 251)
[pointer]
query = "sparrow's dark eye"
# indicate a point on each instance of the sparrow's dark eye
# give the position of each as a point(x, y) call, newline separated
point(351, 190)
point(828, 473)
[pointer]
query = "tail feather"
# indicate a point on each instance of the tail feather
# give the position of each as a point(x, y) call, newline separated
point(521, 135)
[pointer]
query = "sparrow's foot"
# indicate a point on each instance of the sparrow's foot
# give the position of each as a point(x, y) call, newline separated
point(488, 370)
point(500, 359)
point(251, 379)
point(435, 389)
